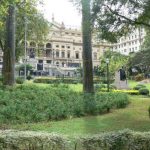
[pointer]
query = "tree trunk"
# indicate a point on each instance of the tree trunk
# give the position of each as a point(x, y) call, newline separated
point(87, 48)
point(9, 49)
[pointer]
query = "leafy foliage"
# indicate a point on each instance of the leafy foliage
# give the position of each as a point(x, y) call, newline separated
point(144, 91)
point(30, 103)
point(38, 26)
point(114, 18)
point(116, 61)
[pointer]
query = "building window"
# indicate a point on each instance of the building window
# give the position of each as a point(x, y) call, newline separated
point(48, 61)
point(57, 46)
point(57, 64)
point(57, 53)
point(48, 45)
point(32, 44)
point(40, 61)
point(48, 53)
point(62, 46)
point(63, 64)
point(77, 55)
point(125, 50)
point(62, 54)
point(32, 53)
point(68, 47)
point(68, 55)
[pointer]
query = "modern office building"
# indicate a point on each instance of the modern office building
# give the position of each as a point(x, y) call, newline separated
point(131, 42)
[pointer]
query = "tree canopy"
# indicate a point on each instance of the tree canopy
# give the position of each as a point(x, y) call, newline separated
point(114, 18)
point(38, 26)
point(116, 61)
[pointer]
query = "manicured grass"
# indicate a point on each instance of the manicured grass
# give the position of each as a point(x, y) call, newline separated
point(134, 117)
point(134, 83)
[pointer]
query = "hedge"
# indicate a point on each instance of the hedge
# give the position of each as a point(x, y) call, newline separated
point(28, 140)
point(67, 80)
point(31, 103)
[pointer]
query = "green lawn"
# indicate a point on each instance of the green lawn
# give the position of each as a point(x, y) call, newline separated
point(134, 83)
point(134, 117)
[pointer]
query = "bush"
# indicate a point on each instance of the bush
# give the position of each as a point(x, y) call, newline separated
point(144, 91)
point(139, 77)
point(56, 80)
point(132, 92)
point(121, 140)
point(29, 140)
point(29, 77)
point(30, 103)
point(19, 80)
point(68, 80)
point(137, 88)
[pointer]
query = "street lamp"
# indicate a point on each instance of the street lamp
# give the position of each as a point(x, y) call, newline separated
point(25, 43)
point(107, 62)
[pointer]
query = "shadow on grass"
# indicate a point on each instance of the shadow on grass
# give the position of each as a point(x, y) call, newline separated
point(90, 107)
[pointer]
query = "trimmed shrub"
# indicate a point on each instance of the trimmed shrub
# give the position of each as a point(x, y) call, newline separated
point(68, 80)
point(30, 103)
point(144, 91)
point(121, 140)
point(132, 92)
point(19, 80)
point(29, 140)
point(29, 77)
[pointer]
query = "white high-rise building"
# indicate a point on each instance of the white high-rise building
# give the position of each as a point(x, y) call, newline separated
point(131, 42)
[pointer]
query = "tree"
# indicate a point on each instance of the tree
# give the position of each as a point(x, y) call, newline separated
point(85, 6)
point(87, 48)
point(116, 60)
point(140, 60)
point(37, 25)
point(114, 18)
point(9, 48)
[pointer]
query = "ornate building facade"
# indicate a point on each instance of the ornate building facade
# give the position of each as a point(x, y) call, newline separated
point(61, 53)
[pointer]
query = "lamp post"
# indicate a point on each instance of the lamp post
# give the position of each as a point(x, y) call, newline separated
point(25, 44)
point(107, 62)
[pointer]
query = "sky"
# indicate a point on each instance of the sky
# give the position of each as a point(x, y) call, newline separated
point(63, 11)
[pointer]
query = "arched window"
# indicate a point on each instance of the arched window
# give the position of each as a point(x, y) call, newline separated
point(68, 54)
point(48, 53)
point(32, 44)
point(57, 64)
point(77, 56)
point(57, 54)
point(63, 64)
point(62, 54)
point(48, 45)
